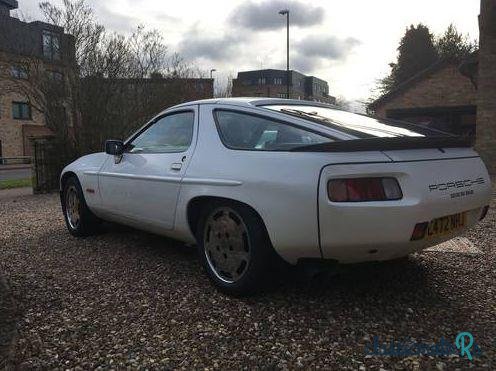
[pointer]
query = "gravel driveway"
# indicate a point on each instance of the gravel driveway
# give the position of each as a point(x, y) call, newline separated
point(128, 299)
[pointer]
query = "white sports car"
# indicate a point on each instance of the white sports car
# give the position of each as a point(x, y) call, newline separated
point(249, 179)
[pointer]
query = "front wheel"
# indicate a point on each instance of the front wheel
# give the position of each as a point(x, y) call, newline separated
point(234, 247)
point(79, 219)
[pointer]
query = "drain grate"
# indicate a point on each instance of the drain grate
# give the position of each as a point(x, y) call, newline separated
point(456, 245)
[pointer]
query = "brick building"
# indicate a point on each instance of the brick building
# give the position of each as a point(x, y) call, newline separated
point(28, 51)
point(272, 83)
point(439, 96)
point(453, 97)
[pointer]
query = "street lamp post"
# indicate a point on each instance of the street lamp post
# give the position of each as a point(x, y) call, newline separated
point(211, 72)
point(286, 13)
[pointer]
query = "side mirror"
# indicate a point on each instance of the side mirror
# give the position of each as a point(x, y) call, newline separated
point(114, 147)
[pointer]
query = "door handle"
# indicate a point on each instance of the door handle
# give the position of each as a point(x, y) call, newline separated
point(176, 166)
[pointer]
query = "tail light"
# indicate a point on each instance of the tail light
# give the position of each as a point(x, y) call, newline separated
point(364, 189)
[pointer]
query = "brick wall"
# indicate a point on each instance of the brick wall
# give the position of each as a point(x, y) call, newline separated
point(21, 45)
point(443, 88)
point(11, 130)
point(14, 133)
point(486, 101)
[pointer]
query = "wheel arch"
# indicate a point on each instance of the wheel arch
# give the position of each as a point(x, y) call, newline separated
point(195, 205)
point(63, 180)
point(65, 176)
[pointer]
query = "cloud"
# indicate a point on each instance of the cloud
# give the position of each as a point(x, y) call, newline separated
point(264, 15)
point(104, 13)
point(112, 20)
point(196, 44)
point(304, 64)
point(28, 11)
point(313, 52)
point(328, 47)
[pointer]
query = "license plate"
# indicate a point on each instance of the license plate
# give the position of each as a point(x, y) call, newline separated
point(446, 224)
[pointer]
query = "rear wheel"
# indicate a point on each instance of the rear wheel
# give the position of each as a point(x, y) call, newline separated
point(234, 247)
point(79, 219)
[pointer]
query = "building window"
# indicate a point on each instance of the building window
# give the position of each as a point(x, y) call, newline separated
point(21, 111)
point(278, 81)
point(282, 95)
point(19, 72)
point(261, 81)
point(51, 45)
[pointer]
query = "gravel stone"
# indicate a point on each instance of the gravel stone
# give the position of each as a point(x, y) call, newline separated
point(127, 299)
point(8, 318)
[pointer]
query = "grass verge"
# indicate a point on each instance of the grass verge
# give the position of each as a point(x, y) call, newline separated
point(15, 183)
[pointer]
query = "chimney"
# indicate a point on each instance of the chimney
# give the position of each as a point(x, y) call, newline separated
point(6, 6)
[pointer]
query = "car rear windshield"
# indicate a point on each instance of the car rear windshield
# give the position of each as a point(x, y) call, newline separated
point(356, 125)
point(243, 131)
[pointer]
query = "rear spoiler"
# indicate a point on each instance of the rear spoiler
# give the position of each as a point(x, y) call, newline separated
point(388, 144)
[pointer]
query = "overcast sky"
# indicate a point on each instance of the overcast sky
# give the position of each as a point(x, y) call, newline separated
point(349, 43)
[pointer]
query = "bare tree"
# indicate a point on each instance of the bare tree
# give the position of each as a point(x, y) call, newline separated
point(343, 103)
point(78, 19)
point(123, 80)
point(115, 83)
point(225, 90)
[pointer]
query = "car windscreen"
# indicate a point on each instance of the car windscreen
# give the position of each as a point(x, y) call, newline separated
point(357, 125)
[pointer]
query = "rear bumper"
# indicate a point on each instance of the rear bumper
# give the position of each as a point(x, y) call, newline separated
point(375, 231)
point(389, 242)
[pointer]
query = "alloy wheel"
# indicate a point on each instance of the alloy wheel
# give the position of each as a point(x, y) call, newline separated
point(72, 207)
point(227, 245)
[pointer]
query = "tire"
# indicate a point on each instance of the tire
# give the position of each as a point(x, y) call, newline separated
point(234, 248)
point(80, 221)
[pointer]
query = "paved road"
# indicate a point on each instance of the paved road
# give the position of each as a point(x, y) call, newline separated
point(7, 174)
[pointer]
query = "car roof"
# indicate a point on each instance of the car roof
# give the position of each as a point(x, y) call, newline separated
point(254, 102)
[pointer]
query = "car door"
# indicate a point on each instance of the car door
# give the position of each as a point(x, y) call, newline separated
point(143, 185)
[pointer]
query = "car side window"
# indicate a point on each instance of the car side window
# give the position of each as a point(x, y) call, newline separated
point(249, 132)
point(170, 134)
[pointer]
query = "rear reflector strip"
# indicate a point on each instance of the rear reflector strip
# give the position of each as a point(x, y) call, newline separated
point(419, 231)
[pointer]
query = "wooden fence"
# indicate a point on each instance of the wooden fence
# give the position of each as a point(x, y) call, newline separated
point(50, 157)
